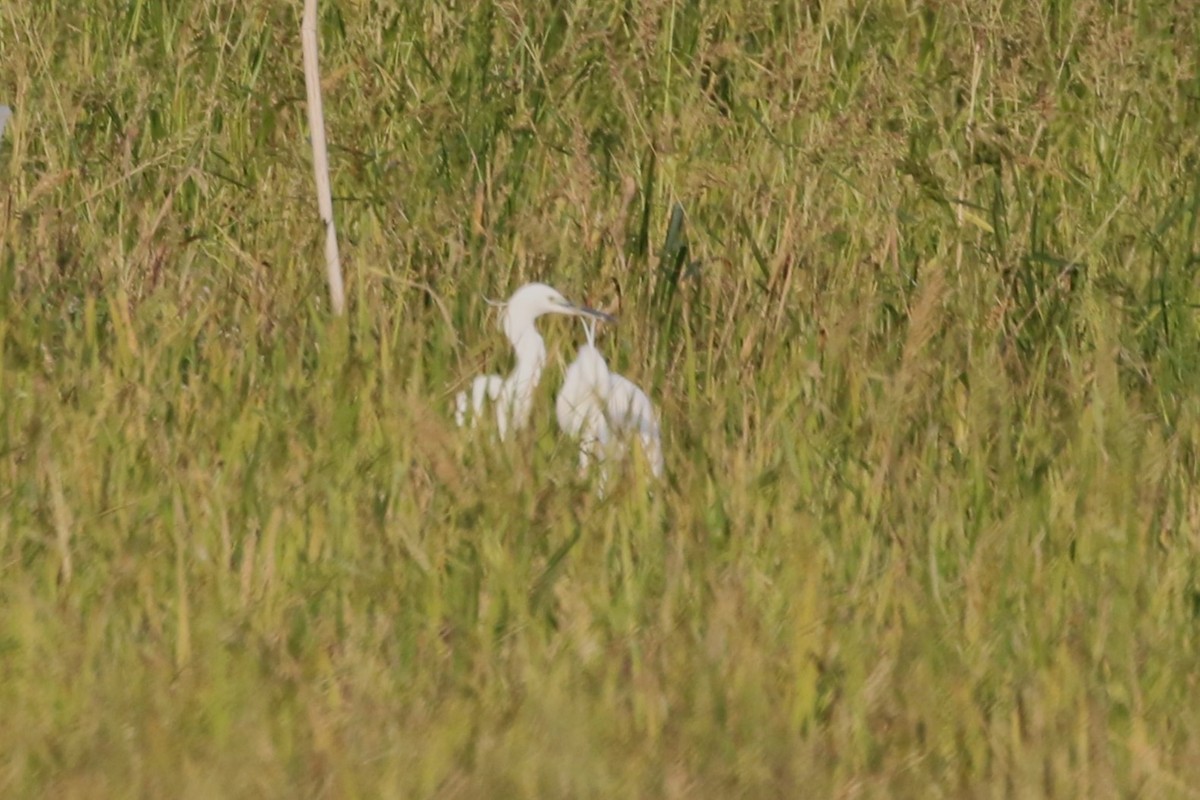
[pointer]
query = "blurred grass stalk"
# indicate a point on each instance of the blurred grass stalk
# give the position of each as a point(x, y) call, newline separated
point(316, 124)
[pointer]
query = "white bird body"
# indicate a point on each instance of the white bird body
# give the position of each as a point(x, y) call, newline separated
point(513, 395)
point(603, 409)
point(630, 411)
point(515, 403)
point(581, 406)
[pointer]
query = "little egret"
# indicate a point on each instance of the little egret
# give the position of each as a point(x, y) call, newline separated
point(581, 406)
point(602, 408)
point(513, 396)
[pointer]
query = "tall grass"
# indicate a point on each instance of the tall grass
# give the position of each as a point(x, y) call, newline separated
point(912, 283)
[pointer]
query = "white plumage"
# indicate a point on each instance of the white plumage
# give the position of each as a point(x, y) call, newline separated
point(513, 395)
point(603, 409)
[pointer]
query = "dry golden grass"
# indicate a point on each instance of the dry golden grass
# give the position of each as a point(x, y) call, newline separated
point(912, 284)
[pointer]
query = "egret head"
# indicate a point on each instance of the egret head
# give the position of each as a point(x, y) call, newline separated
point(535, 299)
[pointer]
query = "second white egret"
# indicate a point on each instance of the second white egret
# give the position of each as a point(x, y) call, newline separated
point(602, 409)
point(581, 406)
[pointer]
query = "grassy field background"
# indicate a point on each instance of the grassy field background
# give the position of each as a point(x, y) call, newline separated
point(913, 284)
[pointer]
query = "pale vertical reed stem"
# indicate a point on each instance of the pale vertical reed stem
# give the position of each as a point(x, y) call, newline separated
point(316, 124)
